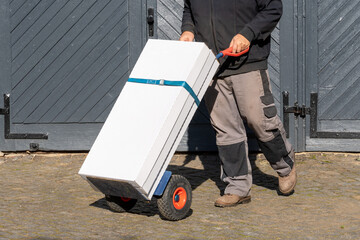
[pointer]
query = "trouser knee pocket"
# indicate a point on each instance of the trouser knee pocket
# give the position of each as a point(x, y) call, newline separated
point(233, 159)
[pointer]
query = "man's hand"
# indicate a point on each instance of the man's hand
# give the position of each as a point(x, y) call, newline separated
point(239, 43)
point(187, 36)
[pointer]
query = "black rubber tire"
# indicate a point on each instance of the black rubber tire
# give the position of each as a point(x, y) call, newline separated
point(165, 202)
point(117, 204)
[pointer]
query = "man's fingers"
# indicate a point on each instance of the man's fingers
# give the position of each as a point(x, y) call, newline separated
point(241, 47)
point(239, 43)
point(237, 47)
point(184, 38)
point(234, 46)
point(187, 36)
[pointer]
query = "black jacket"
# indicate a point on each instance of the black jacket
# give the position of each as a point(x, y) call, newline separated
point(216, 22)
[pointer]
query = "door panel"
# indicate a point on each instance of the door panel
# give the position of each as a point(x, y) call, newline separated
point(67, 62)
point(334, 74)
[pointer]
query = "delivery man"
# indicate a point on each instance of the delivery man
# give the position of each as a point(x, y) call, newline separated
point(241, 91)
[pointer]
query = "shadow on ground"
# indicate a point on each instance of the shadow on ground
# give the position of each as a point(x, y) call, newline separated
point(196, 177)
point(212, 171)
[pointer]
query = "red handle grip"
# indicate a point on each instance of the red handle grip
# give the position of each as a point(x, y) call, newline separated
point(228, 52)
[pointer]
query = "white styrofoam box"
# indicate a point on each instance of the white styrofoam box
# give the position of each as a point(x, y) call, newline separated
point(147, 121)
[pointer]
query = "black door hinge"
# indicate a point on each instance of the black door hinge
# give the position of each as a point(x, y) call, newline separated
point(8, 135)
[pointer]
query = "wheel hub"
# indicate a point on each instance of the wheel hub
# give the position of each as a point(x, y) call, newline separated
point(179, 198)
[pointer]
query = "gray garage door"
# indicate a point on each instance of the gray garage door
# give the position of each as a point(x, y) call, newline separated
point(63, 64)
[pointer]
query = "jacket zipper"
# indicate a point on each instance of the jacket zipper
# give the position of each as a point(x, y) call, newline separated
point(213, 26)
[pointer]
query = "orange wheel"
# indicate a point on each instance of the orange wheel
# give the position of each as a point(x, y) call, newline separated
point(120, 204)
point(175, 202)
point(125, 199)
point(179, 198)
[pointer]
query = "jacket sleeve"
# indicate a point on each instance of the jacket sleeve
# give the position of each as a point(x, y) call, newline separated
point(265, 21)
point(187, 20)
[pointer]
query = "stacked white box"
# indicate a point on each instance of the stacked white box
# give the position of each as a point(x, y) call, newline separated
point(145, 126)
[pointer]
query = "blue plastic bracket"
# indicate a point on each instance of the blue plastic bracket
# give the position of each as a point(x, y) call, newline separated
point(163, 183)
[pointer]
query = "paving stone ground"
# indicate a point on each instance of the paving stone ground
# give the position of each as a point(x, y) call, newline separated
point(42, 197)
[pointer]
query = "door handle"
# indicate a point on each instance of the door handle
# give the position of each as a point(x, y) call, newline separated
point(150, 21)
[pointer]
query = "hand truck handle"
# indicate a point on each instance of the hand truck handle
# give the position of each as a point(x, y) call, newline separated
point(228, 52)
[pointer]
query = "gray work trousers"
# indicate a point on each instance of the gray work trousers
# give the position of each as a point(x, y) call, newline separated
point(246, 97)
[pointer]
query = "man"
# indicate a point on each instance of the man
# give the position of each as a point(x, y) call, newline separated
point(241, 90)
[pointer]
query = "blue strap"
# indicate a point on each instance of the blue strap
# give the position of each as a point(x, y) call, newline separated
point(167, 83)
